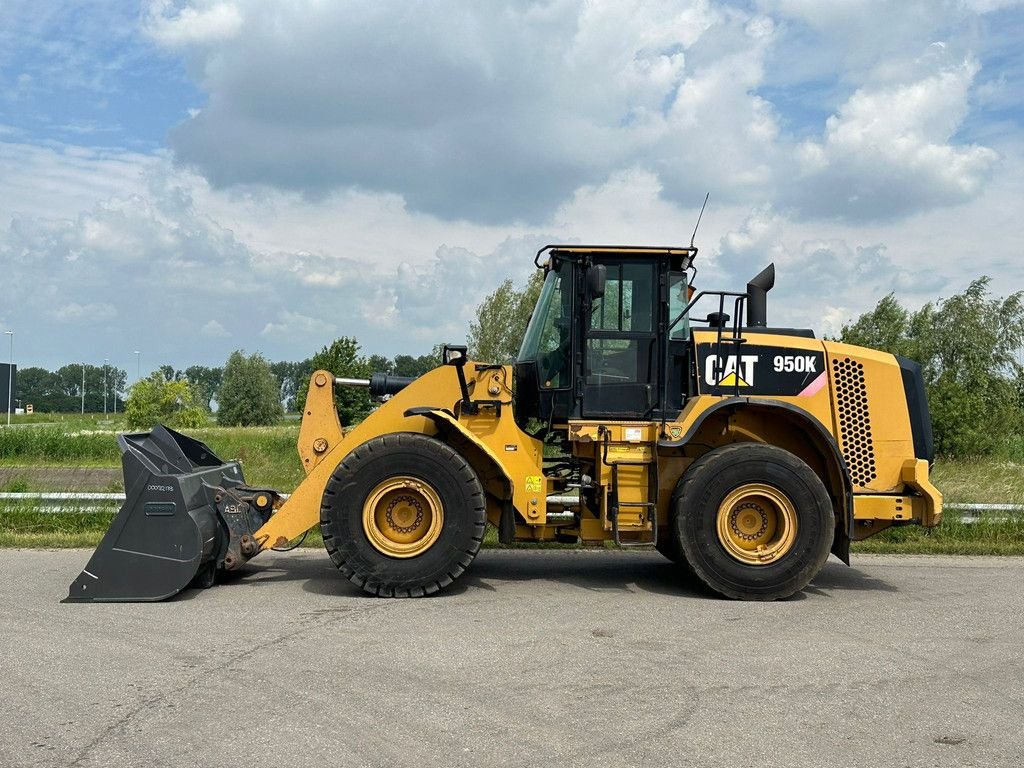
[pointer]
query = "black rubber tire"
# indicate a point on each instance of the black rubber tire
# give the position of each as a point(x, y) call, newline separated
point(668, 546)
point(704, 486)
point(429, 460)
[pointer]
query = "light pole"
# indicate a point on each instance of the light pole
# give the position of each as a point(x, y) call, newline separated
point(10, 379)
point(138, 366)
point(83, 389)
point(114, 387)
point(104, 387)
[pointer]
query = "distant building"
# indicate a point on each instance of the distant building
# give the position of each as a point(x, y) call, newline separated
point(5, 374)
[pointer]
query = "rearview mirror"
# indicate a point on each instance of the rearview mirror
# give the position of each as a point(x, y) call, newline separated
point(597, 276)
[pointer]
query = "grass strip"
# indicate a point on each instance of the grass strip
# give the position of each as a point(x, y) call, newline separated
point(30, 528)
point(991, 535)
point(995, 533)
point(269, 460)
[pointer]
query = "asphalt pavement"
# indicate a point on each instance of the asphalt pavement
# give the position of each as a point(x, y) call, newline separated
point(534, 658)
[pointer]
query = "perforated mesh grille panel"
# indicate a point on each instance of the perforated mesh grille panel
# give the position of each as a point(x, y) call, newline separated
point(854, 420)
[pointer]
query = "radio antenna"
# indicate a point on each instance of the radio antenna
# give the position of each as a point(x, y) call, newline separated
point(699, 215)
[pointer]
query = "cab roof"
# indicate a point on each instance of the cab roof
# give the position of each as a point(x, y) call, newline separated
point(623, 250)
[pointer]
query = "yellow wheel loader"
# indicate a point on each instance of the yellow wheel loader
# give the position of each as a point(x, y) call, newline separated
point(743, 452)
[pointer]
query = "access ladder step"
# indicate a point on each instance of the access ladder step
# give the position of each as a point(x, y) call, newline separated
point(644, 523)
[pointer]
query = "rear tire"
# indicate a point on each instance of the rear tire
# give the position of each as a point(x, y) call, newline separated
point(403, 515)
point(753, 521)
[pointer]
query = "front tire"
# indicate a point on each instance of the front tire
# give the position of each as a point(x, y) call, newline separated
point(753, 521)
point(403, 515)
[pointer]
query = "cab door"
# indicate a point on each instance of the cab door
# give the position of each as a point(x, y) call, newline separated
point(620, 349)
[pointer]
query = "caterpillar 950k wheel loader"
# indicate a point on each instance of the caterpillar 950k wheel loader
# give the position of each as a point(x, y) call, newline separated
point(743, 452)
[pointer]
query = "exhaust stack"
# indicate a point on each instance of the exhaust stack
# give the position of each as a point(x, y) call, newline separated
point(757, 297)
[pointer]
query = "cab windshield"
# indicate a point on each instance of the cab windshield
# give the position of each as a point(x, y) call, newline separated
point(548, 338)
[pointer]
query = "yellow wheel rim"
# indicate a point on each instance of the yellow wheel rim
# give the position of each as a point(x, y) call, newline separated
point(757, 524)
point(403, 516)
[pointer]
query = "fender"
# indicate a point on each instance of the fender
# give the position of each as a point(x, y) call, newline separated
point(810, 424)
point(531, 502)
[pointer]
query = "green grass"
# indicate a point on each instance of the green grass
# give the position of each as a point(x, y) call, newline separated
point(988, 536)
point(51, 444)
point(987, 480)
point(267, 453)
point(33, 529)
point(268, 459)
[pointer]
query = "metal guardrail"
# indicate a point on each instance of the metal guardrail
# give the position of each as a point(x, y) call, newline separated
point(54, 496)
point(56, 502)
point(972, 513)
point(90, 502)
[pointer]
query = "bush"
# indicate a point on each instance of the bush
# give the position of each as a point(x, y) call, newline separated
point(158, 401)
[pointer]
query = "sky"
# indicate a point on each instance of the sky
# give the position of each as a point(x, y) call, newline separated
point(190, 178)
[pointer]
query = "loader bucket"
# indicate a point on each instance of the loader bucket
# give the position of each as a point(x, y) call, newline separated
point(168, 532)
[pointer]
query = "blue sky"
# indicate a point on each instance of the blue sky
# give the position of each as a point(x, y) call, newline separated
point(189, 178)
point(83, 74)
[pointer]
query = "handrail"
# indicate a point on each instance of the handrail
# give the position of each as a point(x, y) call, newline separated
point(739, 306)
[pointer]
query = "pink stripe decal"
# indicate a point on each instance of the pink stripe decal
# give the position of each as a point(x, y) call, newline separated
point(814, 387)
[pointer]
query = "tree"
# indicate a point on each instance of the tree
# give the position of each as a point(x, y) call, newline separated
point(501, 322)
point(249, 394)
point(170, 373)
point(117, 387)
point(291, 376)
point(407, 365)
point(886, 327)
point(342, 359)
point(39, 387)
point(380, 364)
point(967, 347)
point(205, 381)
point(157, 401)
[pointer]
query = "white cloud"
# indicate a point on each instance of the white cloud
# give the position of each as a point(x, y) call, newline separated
point(375, 169)
point(987, 6)
point(179, 261)
point(59, 181)
point(86, 313)
point(204, 23)
point(214, 330)
point(822, 281)
point(500, 117)
point(301, 329)
point(489, 116)
point(888, 152)
point(628, 207)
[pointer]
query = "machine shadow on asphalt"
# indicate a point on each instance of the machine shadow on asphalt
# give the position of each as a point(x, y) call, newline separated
point(835, 577)
point(614, 572)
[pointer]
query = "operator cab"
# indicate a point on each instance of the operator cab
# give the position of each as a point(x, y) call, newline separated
point(599, 343)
